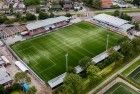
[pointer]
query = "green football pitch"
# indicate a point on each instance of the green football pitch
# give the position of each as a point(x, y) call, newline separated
point(120, 88)
point(135, 75)
point(46, 54)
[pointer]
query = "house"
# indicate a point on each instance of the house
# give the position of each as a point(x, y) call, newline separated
point(106, 3)
point(67, 4)
point(5, 78)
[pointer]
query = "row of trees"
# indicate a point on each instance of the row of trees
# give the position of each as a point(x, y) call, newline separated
point(136, 2)
point(122, 15)
point(93, 3)
point(28, 17)
point(31, 2)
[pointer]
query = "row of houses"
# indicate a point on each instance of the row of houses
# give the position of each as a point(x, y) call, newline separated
point(111, 3)
point(7, 31)
point(5, 78)
point(15, 4)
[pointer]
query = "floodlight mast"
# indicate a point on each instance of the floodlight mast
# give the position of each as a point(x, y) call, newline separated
point(121, 10)
point(107, 41)
point(66, 56)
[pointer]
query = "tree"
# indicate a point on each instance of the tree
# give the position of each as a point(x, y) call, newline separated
point(92, 72)
point(18, 15)
point(22, 77)
point(96, 4)
point(2, 89)
point(11, 8)
point(73, 84)
point(116, 57)
point(30, 17)
point(126, 17)
point(127, 49)
point(32, 90)
point(85, 62)
point(136, 2)
point(88, 2)
point(137, 27)
point(68, 15)
point(51, 15)
point(31, 2)
point(43, 15)
point(116, 13)
point(38, 9)
point(3, 18)
point(136, 45)
point(93, 3)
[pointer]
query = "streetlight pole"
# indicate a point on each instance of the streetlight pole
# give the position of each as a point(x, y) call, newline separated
point(107, 42)
point(66, 56)
point(120, 11)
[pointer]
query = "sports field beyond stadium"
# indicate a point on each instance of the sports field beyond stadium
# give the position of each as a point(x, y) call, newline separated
point(135, 75)
point(46, 54)
point(120, 88)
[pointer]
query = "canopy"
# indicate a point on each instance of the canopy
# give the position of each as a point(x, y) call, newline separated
point(21, 66)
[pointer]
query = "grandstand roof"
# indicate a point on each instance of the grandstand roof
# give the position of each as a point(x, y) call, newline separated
point(103, 55)
point(46, 22)
point(115, 21)
point(56, 81)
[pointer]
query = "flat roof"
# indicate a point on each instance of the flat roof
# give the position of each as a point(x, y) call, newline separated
point(126, 26)
point(4, 76)
point(56, 81)
point(21, 66)
point(115, 21)
point(46, 22)
point(103, 55)
point(5, 59)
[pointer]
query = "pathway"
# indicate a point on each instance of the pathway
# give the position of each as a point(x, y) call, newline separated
point(108, 86)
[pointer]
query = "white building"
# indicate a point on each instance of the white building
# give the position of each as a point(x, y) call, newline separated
point(112, 22)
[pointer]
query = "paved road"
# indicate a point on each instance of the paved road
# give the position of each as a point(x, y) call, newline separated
point(118, 72)
point(90, 11)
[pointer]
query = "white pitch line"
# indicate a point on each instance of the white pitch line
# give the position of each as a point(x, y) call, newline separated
point(116, 88)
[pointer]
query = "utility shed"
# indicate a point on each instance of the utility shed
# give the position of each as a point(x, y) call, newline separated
point(5, 60)
point(21, 66)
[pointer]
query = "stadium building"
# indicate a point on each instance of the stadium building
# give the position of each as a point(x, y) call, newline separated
point(114, 23)
point(47, 25)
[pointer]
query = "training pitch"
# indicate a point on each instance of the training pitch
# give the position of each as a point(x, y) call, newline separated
point(135, 75)
point(120, 88)
point(46, 54)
